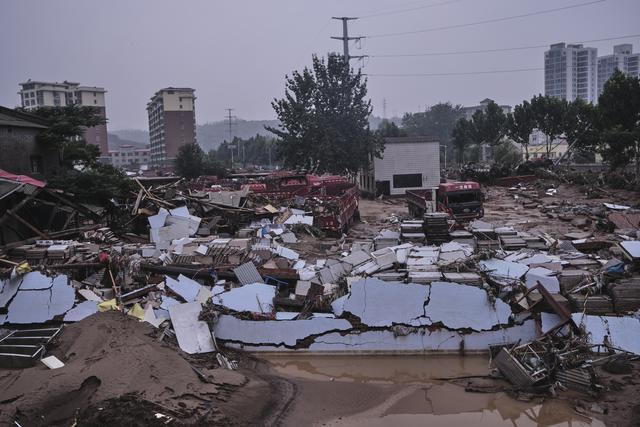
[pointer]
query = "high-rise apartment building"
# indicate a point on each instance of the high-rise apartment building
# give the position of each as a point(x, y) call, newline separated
point(570, 72)
point(35, 94)
point(172, 123)
point(623, 59)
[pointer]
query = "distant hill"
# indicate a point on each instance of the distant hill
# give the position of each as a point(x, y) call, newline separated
point(116, 140)
point(132, 135)
point(211, 135)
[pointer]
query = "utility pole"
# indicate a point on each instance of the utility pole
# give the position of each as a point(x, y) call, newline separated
point(384, 108)
point(345, 38)
point(230, 119)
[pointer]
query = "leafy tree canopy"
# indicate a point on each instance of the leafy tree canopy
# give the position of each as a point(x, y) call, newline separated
point(489, 125)
point(520, 125)
point(462, 138)
point(389, 129)
point(550, 115)
point(438, 120)
point(97, 184)
point(65, 130)
point(189, 162)
point(324, 119)
point(619, 121)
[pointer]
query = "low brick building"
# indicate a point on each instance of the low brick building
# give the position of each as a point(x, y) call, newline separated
point(20, 152)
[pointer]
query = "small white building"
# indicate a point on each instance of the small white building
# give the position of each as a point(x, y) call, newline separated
point(408, 163)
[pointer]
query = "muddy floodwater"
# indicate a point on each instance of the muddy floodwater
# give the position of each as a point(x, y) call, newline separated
point(406, 391)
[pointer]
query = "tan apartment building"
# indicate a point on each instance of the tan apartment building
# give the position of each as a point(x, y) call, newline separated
point(34, 94)
point(172, 124)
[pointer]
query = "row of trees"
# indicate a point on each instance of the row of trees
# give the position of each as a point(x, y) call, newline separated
point(610, 128)
point(191, 162)
point(258, 150)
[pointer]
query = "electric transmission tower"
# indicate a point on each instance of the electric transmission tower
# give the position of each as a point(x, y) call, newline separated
point(345, 38)
point(230, 119)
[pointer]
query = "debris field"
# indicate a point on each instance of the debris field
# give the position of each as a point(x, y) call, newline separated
point(253, 267)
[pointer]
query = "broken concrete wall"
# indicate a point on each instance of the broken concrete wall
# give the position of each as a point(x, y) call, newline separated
point(379, 303)
point(275, 332)
point(407, 339)
point(619, 332)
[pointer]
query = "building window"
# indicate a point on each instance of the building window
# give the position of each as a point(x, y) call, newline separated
point(36, 164)
point(407, 180)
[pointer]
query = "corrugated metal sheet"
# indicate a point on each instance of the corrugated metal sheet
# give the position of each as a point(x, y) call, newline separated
point(577, 379)
point(247, 273)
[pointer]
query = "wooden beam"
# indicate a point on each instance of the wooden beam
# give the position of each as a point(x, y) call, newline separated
point(26, 224)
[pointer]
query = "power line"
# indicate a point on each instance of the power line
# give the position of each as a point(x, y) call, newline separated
point(487, 21)
point(411, 9)
point(505, 49)
point(467, 73)
point(461, 73)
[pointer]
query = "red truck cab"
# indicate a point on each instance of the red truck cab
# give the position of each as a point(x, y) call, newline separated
point(461, 200)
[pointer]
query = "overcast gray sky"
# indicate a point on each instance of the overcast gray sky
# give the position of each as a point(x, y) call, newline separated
point(236, 53)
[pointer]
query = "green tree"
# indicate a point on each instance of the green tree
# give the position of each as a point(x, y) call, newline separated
point(507, 155)
point(324, 119)
point(389, 129)
point(580, 127)
point(489, 125)
point(65, 130)
point(550, 115)
point(189, 162)
point(212, 166)
point(520, 124)
point(462, 138)
point(437, 120)
point(619, 121)
point(97, 184)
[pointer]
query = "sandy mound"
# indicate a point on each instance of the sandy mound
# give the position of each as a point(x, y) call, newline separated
point(107, 356)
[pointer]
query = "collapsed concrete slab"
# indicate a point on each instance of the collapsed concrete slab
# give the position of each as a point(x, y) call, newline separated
point(275, 332)
point(8, 289)
point(255, 297)
point(619, 332)
point(503, 271)
point(379, 303)
point(543, 276)
point(184, 287)
point(80, 311)
point(41, 305)
point(423, 340)
point(465, 307)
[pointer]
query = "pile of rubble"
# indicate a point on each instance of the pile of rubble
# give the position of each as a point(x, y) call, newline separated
point(227, 268)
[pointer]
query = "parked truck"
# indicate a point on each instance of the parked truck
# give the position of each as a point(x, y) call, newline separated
point(332, 200)
point(461, 200)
